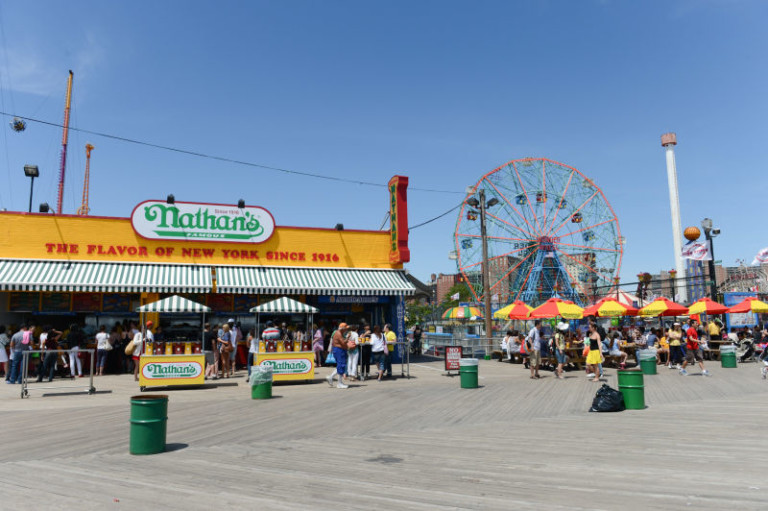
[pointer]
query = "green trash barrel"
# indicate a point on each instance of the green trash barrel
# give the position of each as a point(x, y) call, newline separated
point(632, 388)
point(261, 382)
point(647, 361)
point(149, 418)
point(468, 373)
point(728, 356)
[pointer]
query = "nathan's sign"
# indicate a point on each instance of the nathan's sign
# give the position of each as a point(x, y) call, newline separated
point(166, 370)
point(161, 370)
point(202, 222)
point(296, 366)
point(288, 366)
point(398, 220)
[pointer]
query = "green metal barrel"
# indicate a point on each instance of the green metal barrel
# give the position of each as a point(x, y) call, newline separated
point(261, 390)
point(648, 362)
point(149, 418)
point(632, 388)
point(468, 373)
point(728, 356)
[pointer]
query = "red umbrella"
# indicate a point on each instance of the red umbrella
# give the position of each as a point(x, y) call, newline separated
point(706, 306)
point(557, 307)
point(663, 307)
point(610, 307)
point(751, 304)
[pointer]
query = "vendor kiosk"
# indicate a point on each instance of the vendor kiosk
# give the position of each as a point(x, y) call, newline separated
point(161, 368)
point(290, 360)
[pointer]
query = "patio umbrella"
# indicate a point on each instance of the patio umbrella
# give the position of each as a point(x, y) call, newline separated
point(515, 310)
point(610, 307)
point(663, 307)
point(751, 304)
point(462, 313)
point(555, 307)
point(706, 306)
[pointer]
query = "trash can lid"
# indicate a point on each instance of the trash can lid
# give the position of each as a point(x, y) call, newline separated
point(468, 361)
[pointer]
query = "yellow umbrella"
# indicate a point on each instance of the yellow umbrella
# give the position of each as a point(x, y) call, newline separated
point(515, 310)
point(555, 307)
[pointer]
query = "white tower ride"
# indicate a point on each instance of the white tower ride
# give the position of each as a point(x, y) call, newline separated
point(669, 141)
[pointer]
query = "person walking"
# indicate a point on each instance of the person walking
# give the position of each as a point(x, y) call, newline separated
point(102, 348)
point(353, 352)
point(4, 342)
point(693, 351)
point(211, 352)
point(21, 341)
point(675, 339)
point(224, 346)
point(317, 345)
point(378, 348)
point(253, 349)
point(559, 344)
point(595, 356)
point(49, 343)
point(365, 353)
point(75, 339)
point(339, 347)
point(138, 349)
point(391, 339)
point(533, 347)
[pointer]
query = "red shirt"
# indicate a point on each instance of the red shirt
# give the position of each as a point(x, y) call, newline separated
point(692, 342)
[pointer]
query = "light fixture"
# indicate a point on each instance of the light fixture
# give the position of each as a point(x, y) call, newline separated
point(44, 207)
point(170, 199)
point(241, 204)
point(339, 227)
point(472, 201)
point(706, 224)
point(492, 202)
point(31, 171)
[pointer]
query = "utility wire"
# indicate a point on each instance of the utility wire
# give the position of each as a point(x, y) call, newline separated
point(220, 158)
point(436, 218)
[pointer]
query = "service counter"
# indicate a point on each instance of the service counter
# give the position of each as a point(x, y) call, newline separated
point(171, 364)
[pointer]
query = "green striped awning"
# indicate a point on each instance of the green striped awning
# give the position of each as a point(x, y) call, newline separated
point(173, 303)
point(285, 305)
point(24, 275)
point(312, 281)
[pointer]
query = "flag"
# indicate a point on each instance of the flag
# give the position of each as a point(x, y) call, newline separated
point(696, 251)
point(455, 297)
point(761, 257)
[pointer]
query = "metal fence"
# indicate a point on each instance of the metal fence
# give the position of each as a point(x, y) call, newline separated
point(478, 347)
point(25, 388)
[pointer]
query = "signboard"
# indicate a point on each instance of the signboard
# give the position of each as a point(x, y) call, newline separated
point(56, 302)
point(398, 220)
point(738, 320)
point(244, 303)
point(23, 302)
point(452, 358)
point(86, 302)
point(159, 220)
point(161, 370)
point(353, 299)
point(220, 303)
point(117, 302)
point(288, 366)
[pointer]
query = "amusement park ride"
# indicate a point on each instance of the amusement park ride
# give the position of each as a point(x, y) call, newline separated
point(551, 233)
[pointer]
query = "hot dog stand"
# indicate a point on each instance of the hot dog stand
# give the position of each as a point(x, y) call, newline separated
point(161, 366)
point(290, 360)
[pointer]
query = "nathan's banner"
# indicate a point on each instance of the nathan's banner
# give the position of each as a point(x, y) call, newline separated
point(164, 370)
point(697, 251)
point(202, 222)
point(289, 366)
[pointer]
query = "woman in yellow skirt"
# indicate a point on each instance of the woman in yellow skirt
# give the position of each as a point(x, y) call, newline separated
point(595, 357)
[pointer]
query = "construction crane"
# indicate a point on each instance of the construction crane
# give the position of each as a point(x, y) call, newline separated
point(84, 209)
point(64, 139)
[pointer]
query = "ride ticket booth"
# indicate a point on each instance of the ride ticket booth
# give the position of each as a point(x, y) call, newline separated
point(184, 363)
point(291, 360)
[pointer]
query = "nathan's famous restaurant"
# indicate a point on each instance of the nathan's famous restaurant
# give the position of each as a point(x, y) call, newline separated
point(60, 269)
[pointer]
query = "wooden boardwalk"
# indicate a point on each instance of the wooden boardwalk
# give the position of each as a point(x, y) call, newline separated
point(419, 443)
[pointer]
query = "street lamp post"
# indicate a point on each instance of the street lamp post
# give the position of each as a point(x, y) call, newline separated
point(31, 171)
point(710, 233)
point(672, 275)
point(480, 203)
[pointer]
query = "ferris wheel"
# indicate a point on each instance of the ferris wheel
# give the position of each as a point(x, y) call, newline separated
point(550, 232)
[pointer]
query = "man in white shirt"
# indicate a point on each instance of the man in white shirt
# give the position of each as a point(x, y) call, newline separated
point(533, 345)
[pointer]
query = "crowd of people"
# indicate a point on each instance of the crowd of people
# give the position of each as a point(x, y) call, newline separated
point(676, 347)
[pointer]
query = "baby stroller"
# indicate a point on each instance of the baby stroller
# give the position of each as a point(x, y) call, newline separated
point(745, 350)
point(763, 358)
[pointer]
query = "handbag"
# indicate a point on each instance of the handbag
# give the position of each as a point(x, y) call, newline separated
point(330, 359)
point(129, 348)
point(109, 346)
point(226, 347)
point(351, 345)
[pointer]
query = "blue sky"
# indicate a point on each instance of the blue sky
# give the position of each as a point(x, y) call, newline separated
point(440, 91)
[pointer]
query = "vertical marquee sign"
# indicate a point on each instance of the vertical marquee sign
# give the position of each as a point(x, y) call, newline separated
point(398, 220)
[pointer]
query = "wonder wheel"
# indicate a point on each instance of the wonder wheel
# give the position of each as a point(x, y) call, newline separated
point(550, 232)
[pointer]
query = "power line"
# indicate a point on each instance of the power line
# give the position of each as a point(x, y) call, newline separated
point(222, 158)
point(436, 218)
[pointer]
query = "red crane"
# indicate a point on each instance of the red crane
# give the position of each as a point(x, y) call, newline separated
point(63, 163)
point(84, 209)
